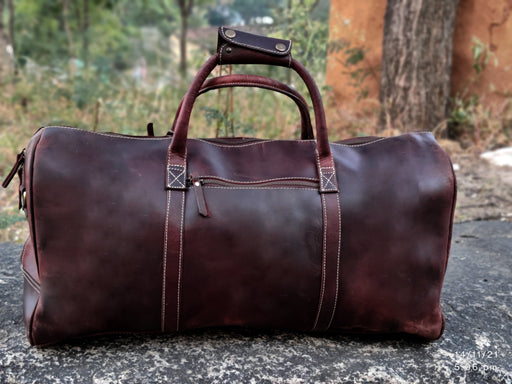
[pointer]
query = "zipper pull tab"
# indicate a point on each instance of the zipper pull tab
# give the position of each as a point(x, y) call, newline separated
point(197, 184)
point(20, 160)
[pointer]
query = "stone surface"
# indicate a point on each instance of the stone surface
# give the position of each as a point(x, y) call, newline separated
point(501, 157)
point(476, 346)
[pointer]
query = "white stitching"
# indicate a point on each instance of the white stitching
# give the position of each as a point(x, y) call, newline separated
point(380, 139)
point(327, 182)
point(317, 155)
point(324, 262)
point(164, 278)
point(255, 47)
point(176, 178)
point(233, 145)
point(220, 53)
point(261, 141)
point(323, 179)
point(113, 136)
point(337, 263)
point(179, 262)
point(166, 237)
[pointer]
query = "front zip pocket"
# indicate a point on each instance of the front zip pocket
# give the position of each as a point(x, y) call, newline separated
point(199, 183)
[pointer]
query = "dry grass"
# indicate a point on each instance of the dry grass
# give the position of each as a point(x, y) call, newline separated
point(126, 107)
point(485, 127)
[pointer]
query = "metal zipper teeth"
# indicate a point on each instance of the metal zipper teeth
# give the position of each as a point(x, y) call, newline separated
point(299, 182)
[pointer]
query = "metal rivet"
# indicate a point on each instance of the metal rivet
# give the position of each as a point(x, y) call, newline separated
point(281, 47)
point(228, 50)
point(197, 183)
point(230, 33)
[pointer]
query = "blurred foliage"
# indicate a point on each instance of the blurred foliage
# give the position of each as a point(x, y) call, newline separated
point(471, 122)
point(112, 65)
point(482, 53)
point(41, 34)
point(310, 31)
point(353, 62)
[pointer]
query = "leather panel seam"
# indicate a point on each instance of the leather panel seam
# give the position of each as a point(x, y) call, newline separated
point(324, 261)
point(180, 263)
point(337, 263)
point(110, 135)
point(164, 275)
point(381, 139)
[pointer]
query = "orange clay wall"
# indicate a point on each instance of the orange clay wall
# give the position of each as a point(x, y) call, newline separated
point(356, 24)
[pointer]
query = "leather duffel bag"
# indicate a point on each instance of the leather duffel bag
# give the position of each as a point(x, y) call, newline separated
point(165, 233)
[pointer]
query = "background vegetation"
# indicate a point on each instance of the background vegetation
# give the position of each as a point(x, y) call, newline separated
point(114, 65)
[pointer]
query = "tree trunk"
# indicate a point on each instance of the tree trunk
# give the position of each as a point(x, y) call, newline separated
point(183, 44)
point(69, 37)
point(416, 63)
point(67, 29)
point(10, 5)
point(85, 33)
point(185, 10)
point(289, 21)
point(4, 56)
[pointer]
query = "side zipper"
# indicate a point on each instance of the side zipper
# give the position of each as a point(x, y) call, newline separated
point(198, 183)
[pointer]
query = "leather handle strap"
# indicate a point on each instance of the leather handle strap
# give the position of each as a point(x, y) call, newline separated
point(178, 148)
point(179, 141)
point(239, 47)
point(264, 83)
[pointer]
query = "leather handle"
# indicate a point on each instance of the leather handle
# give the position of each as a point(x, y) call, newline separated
point(177, 153)
point(264, 83)
point(179, 142)
point(239, 47)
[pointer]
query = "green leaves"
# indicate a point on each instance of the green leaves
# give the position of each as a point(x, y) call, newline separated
point(482, 53)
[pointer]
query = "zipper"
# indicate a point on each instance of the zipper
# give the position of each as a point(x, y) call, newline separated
point(198, 183)
point(18, 165)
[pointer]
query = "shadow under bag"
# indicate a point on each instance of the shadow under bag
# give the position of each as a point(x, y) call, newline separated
point(165, 233)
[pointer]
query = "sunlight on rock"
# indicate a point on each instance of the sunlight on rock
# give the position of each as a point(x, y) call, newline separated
point(500, 157)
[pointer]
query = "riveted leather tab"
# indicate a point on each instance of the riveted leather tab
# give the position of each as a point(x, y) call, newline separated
point(269, 45)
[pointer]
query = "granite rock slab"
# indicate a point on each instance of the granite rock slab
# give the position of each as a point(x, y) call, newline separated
point(475, 348)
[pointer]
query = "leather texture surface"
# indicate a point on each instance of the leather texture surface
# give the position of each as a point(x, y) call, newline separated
point(99, 225)
point(163, 234)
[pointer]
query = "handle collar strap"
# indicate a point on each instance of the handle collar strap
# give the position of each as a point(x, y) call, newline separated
point(269, 45)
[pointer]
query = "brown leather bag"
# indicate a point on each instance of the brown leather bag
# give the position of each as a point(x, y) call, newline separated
point(161, 234)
